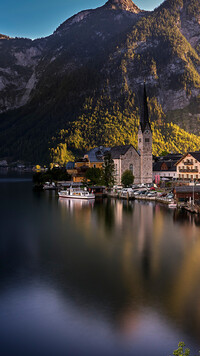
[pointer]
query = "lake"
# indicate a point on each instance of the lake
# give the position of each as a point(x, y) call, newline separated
point(105, 278)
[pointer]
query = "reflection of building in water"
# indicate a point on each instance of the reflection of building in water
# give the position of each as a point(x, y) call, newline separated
point(184, 299)
point(140, 256)
point(186, 219)
point(145, 220)
point(119, 213)
point(145, 235)
point(80, 210)
point(158, 228)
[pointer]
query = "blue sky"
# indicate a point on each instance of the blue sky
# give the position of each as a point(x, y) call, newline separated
point(39, 18)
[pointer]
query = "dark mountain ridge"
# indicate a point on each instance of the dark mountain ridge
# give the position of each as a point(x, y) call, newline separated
point(101, 57)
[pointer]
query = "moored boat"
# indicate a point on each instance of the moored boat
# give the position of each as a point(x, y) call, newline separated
point(49, 186)
point(76, 194)
point(172, 205)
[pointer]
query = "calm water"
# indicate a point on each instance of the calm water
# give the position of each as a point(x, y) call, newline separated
point(110, 278)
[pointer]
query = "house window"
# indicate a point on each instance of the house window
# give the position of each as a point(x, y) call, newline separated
point(147, 140)
point(94, 166)
point(131, 168)
point(140, 140)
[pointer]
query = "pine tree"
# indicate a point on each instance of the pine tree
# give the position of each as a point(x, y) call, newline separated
point(108, 170)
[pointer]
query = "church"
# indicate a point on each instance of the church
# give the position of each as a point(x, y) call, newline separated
point(138, 161)
point(126, 157)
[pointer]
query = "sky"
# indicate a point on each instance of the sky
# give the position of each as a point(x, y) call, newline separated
point(40, 18)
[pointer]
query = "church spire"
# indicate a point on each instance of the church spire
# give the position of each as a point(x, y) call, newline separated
point(144, 121)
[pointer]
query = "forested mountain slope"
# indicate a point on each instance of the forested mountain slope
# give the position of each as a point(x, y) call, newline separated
point(82, 86)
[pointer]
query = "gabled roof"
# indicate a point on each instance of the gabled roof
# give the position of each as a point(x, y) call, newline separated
point(171, 167)
point(70, 165)
point(118, 151)
point(97, 154)
point(195, 155)
point(170, 157)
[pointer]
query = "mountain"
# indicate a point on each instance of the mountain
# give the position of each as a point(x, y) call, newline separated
point(3, 37)
point(126, 5)
point(81, 86)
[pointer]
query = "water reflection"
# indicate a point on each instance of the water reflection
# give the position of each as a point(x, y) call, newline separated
point(74, 205)
point(152, 253)
point(120, 277)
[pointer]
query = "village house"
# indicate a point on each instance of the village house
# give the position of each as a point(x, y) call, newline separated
point(165, 167)
point(79, 169)
point(187, 193)
point(92, 159)
point(188, 167)
point(95, 156)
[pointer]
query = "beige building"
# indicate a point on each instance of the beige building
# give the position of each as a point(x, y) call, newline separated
point(188, 167)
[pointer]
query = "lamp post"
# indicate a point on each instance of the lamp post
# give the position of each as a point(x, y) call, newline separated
point(193, 193)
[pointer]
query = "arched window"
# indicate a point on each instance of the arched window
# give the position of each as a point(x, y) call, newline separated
point(131, 168)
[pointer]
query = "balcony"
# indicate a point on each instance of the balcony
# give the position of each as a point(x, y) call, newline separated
point(187, 170)
point(188, 163)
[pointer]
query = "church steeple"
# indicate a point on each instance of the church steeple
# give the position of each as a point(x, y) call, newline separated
point(144, 120)
point(145, 143)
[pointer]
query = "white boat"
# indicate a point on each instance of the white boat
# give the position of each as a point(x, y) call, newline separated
point(76, 194)
point(49, 186)
point(172, 205)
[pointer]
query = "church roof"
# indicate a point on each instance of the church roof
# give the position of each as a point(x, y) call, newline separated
point(118, 151)
point(144, 119)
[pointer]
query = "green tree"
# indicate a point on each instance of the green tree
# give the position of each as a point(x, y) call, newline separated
point(52, 175)
point(94, 175)
point(61, 155)
point(108, 171)
point(127, 178)
point(181, 351)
